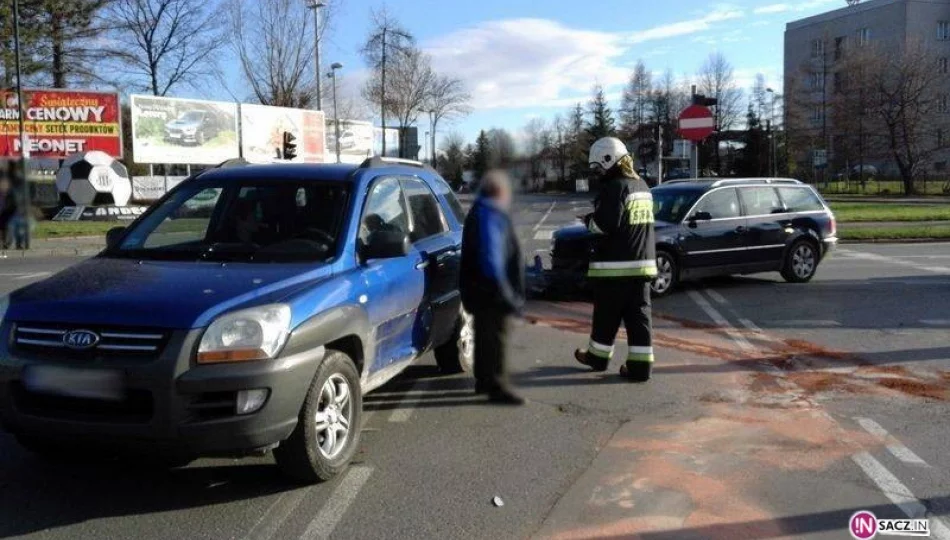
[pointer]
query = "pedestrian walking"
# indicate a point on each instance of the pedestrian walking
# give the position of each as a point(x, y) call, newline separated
point(623, 263)
point(492, 284)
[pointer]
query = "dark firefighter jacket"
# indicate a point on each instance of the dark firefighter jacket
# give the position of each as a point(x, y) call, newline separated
point(623, 214)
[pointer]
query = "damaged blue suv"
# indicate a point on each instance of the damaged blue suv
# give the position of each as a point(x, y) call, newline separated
point(249, 310)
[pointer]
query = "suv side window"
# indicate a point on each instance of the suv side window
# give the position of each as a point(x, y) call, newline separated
point(385, 209)
point(721, 204)
point(427, 218)
point(442, 188)
point(800, 199)
point(761, 201)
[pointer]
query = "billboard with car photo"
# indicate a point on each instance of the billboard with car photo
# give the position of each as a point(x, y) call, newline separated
point(183, 131)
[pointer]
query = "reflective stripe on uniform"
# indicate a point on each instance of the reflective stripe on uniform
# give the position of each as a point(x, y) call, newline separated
point(641, 211)
point(640, 354)
point(645, 268)
point(599, 349)
point(640, 196)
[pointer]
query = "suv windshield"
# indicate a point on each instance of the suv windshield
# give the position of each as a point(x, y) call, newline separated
point(671, 205)
point(248, 221)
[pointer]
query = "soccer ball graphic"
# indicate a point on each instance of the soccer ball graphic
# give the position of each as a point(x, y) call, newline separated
point(94, 178)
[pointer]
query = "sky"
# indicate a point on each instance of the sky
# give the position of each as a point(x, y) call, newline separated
point(522, 59)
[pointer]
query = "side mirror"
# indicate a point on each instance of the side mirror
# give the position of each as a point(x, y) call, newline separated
point(386, 245)
point(698, 216)
point(113, 236)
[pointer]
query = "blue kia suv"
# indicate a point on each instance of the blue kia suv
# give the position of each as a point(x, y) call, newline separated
point(248, 310)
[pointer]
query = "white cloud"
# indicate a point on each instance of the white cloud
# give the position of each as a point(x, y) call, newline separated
point(518, 63)
point(799, 7)
point(773, 8)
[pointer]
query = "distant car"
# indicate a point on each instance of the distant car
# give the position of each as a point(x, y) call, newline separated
point(249, 310)
point(192, 127)
point(719, 227)
point(855, 173)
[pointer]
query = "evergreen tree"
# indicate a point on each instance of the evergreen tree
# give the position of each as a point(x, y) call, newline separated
point(578, 143)
point(481, 156)
point(635, 107)
point(602, 117)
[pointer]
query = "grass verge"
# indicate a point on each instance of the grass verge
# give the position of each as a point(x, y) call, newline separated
point(910, 232)
point(855, 212)
point(65, 229)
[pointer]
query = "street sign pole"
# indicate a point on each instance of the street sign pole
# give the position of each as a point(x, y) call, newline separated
point(659, 152)
point(24, 207)
point(694, 160)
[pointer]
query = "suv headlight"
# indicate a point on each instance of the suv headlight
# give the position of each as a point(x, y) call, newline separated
point(4, 304)
point(246, 335)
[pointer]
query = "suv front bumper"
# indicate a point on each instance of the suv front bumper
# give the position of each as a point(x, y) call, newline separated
point(170, 404)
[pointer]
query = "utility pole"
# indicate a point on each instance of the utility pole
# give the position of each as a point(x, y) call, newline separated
point(659, 153)
point(25, 203)
point(336, 111)
point(315, 5)
point(382, 90)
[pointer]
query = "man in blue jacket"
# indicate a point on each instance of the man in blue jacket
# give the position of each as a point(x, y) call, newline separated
point(492, 283)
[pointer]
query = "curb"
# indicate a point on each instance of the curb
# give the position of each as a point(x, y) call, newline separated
point(895, 241)
point(44, 253)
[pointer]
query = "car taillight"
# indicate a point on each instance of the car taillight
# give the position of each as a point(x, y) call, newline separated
point(834, 227)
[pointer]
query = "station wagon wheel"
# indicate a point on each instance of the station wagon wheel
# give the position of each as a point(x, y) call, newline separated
point(801, 262)
point(457, 355)
point(328, 427)
point(666, 276)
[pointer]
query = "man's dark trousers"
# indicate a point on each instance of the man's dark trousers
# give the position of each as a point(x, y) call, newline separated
point(628, 301)
point(491, 346)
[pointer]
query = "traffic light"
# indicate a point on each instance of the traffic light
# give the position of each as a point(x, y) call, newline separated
point(699, 99)
point(289, 148)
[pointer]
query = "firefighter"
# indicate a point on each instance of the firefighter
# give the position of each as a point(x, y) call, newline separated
point(623, 263)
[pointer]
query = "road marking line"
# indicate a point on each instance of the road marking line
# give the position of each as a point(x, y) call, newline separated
point(897, 493)
point(861, 255)
point(275, 516)
point(894, 446)
point(807, 323)
point(758, 332)
point(339, 500)
point(408, 402)
point(734, 333)
point(544, 235)
point(717, 297)
point(36, 275)
point(545, 216)
point(935, 322)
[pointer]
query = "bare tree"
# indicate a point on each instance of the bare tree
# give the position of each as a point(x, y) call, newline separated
point(387, 41)
point(716, 80)
point(902, 103)
point(538, 142)
point(160, 44)
point(560, 150)
point(274, 43)
point(407, 89)
point(446, 99)
point(501, 146)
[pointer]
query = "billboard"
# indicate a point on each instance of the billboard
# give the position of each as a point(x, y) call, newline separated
point(59, 123)
point(185, 131)
point(262, 129)
point(356, 141)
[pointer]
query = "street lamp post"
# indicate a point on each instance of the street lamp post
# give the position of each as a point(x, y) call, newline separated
point(336, 111)
point(315, 5)
point(432, 123)
point(24, 206)
point(773, 157)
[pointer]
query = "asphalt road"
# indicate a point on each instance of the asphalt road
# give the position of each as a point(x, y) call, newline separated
point(777, 410)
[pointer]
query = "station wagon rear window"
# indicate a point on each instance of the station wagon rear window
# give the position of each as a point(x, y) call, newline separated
point(800, 200)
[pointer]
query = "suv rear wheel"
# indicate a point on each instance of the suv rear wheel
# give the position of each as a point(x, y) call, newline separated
point(458, 354)
point(801, 262)
point(328, 429)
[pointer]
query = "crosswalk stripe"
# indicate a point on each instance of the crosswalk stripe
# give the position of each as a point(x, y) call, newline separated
point(894, 446)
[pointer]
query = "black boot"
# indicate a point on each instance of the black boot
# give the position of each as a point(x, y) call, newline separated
point(637, 371)
point(591, 361)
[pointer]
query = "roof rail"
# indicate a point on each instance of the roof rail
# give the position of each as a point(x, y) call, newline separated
point(378, 161)
point(730, 181)
point(228, 164)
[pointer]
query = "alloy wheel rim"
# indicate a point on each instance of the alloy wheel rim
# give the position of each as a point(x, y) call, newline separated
point(803, 261)
point(664, 275)
point(333, 416)
point(467, 336)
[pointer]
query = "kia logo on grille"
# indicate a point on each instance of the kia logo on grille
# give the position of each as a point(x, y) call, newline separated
point(81, 339)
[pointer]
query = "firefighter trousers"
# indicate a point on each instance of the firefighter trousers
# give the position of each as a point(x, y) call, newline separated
point(628, 301)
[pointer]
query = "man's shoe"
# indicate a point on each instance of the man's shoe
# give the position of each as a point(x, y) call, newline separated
point(505, 397)
point(585, 358)
point(637, 371)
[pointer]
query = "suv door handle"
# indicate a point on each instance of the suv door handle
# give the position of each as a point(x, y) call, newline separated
point(742, 229)
point(422, 265)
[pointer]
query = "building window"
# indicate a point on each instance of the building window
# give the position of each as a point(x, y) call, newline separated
point(943, 104)
point(841, 82)
point(943, 31)
point(817, 81)
point(863, 37)
point(816, 114)
point(841, 43)
point(941, 139)
point(944, 65)
point(817, 48)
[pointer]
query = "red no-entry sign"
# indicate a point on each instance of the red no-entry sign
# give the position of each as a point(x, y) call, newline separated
point(696, 123)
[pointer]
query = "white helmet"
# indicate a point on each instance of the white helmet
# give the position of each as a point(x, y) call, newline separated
point(606, 152)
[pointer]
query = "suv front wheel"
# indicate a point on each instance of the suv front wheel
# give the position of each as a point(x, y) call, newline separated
point(666, 274)
point(328, 429)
